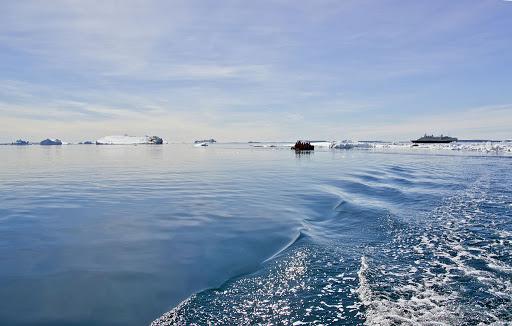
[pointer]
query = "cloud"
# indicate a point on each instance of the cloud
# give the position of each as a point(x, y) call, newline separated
point(483, 122)
point(317, 69)
point(195, 72)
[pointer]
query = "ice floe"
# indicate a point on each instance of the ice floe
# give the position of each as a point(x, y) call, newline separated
point(482, 147)
point(322, 143)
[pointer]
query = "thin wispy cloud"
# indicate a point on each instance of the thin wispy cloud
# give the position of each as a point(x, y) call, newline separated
point(352, 69)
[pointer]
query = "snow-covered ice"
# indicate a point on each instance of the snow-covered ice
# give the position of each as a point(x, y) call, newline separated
point(504, 147)
point(129, 140)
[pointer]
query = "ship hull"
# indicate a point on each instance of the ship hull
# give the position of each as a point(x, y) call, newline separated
point(432, 141)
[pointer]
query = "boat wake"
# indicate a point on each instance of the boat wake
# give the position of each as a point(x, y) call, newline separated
point(370, 259)
point(307, 285)
point(455, 268)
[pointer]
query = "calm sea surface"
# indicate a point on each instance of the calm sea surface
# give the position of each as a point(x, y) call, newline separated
point(229, 234)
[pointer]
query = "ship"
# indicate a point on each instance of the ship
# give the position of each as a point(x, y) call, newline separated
point(431, 139)
point(303, 145)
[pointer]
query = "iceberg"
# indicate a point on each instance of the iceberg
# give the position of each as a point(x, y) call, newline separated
point(322, 143)
point(49, 141)
point(21, 142)
point(129, 140)
point(349, 144)
point(211, 141)
point(343, 145)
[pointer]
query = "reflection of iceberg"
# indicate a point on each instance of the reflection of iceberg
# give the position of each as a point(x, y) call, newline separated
point(129, 140)
point(49, 141)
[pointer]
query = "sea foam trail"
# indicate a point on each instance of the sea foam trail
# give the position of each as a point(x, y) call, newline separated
point(448, 265)
point(409, 304)
point(454, 269)
point(306, 285)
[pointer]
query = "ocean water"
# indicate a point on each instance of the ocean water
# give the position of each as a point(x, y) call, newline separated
point(234, 235)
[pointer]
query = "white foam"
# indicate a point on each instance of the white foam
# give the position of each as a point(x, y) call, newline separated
point(425, 305)
point(427, 290)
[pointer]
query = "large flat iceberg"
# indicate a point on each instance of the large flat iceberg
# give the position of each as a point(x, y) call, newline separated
point(129, 140)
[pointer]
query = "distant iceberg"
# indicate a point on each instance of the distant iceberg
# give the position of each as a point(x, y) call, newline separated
point(344, 145)
point(49, 141)
point(211, 141)
point(349, 144)
point(129, 140)
point(321, 143)
point(21, 142)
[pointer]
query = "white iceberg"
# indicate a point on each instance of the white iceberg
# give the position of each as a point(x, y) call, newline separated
point(349, 144)
point(322, 143)
point(129, 140)
point(343, 145)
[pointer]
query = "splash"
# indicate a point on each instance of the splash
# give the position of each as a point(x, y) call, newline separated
point(455, 268)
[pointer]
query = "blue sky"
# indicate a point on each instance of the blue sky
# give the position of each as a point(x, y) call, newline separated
point(255, 70)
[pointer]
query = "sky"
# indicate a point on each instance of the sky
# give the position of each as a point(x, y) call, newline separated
point(255, 70)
